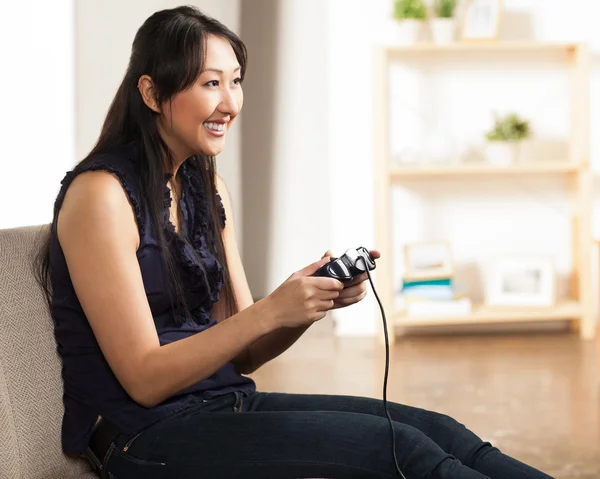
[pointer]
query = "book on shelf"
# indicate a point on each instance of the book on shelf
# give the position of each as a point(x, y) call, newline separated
point(442, 308)
point(432, 289)
point(433, 297)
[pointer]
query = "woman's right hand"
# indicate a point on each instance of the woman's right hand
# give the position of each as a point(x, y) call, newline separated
point(303, 299)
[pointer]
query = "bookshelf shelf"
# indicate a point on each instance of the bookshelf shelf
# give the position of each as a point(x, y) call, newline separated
point(534, 168)
point(565, 310)
point(579, 309)
point(482, 46)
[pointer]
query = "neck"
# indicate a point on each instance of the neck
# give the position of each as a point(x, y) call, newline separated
point(178, 152)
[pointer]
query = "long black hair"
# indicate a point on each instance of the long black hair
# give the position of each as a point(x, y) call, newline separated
point(169, 47)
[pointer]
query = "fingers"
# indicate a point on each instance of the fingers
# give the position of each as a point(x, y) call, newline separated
point(312, 268)
point(327, 295)
point(327, 254)
point(342, 302)
point(327, 284)
point(325, 306)
point(352, 291)
point(359, 279)
point(375, 253)
point(351, 295)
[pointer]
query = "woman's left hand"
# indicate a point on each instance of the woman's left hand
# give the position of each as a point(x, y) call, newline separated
point(355, 290)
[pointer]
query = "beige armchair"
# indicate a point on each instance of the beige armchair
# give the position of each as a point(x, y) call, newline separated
point(30, 371)
point(31, 405)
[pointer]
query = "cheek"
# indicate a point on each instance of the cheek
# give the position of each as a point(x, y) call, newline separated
point(185, 116)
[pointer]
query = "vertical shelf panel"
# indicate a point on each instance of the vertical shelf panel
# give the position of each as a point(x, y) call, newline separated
point(383, 198)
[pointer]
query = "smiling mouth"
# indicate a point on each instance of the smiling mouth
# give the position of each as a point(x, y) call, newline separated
point(214, 126)
point(215, 129)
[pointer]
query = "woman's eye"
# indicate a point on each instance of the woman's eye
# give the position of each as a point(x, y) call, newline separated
point(215, 83)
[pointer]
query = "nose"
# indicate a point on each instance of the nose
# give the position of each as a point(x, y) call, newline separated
point(230, 102)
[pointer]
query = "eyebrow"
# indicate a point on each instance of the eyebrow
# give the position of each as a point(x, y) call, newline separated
point(216, 70)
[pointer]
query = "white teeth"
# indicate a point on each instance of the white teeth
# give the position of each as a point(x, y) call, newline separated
point(215, 126)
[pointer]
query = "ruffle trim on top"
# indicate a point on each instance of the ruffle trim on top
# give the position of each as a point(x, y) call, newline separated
point(200, 234)
point(221, 211)
point(192, 270)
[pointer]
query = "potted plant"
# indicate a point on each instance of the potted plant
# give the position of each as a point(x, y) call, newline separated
point(411, 15)
point(443, 26)
point(504, 138)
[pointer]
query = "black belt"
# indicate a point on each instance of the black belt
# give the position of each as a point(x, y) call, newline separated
point(103, 435)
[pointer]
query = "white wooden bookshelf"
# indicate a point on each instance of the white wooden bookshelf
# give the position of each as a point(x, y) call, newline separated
point(579, 308)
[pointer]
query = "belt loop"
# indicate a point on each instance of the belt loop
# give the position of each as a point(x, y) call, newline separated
point(94, 461)
point(101, 444)
point(237, 407)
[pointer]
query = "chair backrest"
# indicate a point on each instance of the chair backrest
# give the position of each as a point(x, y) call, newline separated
point(31, 390)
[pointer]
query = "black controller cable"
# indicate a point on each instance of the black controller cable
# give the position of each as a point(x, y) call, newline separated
point(387, 368)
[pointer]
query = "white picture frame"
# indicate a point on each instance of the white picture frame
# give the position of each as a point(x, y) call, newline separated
point(521, 281)
point(427, 260)
point(481, 20)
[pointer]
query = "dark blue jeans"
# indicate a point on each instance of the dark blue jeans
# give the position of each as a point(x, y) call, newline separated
point(271, 435)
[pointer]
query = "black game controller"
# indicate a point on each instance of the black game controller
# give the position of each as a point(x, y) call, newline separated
point(348, 266)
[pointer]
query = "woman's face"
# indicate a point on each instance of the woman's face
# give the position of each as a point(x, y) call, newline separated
point(197, 120)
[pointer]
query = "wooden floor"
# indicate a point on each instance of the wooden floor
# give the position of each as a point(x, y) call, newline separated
point(536, 396)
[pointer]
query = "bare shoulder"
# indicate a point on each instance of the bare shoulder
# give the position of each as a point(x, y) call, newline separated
point(96, 202)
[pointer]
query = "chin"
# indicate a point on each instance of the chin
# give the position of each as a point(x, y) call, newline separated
point(210, 150)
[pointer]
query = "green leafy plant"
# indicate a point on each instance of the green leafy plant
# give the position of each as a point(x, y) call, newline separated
point(409, 9)
point(444, 8)
point(509, 128)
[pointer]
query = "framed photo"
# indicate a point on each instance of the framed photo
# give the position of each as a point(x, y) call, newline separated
point(427, 260)
point(529, 281)
point(481, 20)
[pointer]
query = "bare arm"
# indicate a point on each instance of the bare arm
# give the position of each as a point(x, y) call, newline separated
point(99, 238)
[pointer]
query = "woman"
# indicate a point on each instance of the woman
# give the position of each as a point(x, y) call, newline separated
point(155, 323)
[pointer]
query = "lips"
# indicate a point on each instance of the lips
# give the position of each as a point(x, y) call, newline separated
point(215, 128)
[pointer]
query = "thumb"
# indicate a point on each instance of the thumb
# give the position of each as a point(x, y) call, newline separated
point(312, 268)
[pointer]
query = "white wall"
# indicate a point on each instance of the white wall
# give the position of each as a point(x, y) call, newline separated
point(466, 215)
point(37, 129)
point(352, 29)
point(285, 154)
point(105, 32)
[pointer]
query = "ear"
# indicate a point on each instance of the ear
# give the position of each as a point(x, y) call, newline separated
point(146, 88)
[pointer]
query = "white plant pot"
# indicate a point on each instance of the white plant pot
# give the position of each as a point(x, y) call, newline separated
point(409, 31)
point(501, 153)
point(443, 30)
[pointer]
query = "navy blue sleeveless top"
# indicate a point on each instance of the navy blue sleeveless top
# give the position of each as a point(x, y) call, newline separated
point(90, 387)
